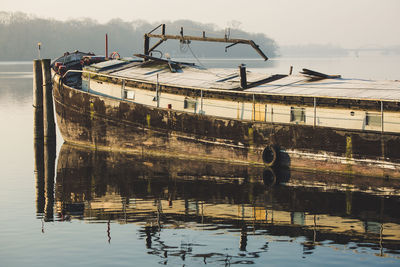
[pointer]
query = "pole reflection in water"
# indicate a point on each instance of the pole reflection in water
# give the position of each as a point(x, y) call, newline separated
point(45, 157)
point(163, 194)
point(49, 172)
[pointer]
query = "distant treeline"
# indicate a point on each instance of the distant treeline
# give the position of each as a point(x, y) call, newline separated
point(20, 34)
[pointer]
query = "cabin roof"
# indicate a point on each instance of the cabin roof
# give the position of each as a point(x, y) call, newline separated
point(223, 79)
point(300, 85)
point(228, 79)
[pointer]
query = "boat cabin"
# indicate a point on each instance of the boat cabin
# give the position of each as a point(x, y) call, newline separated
point(309, 98)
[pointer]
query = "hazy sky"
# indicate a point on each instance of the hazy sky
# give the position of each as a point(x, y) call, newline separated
point(349, 23)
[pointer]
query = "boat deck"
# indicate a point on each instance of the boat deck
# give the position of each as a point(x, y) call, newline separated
point(300, 85)
point(229, 79)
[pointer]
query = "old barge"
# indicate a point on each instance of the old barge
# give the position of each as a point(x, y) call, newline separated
point(161, 106)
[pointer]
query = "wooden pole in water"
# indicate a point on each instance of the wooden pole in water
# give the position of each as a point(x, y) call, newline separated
point(38, 135)
point(37, 100)
point(48, 111)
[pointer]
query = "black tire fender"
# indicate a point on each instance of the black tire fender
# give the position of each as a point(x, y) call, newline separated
point(270, 155)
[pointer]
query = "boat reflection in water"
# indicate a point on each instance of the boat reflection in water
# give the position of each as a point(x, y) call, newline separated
point(157, 194)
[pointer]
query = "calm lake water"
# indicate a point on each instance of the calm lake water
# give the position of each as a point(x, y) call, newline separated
point(109, 209)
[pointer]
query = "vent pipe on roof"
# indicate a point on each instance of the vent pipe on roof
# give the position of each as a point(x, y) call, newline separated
point(243, 76)
point(106, 46)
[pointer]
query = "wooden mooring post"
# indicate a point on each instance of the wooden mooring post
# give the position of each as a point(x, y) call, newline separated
point(37, 100)
point(38, 137)
point(48, 111)
point(44, 137)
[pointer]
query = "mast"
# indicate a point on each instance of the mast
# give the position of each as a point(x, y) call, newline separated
point(184, 38)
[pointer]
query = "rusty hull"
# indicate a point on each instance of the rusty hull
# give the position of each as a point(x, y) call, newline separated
point(114, 124)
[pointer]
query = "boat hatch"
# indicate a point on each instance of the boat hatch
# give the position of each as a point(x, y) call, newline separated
point(107, 64)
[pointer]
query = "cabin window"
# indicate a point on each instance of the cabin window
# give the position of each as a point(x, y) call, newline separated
point(297, 114)
point(189, 103)
point(373, 119)
point(130, 94)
